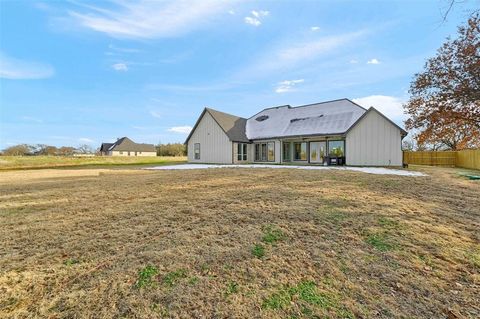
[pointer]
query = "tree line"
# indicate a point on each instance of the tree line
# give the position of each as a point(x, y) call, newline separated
point(170, 149)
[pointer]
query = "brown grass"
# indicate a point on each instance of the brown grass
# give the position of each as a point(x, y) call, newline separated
point(35, 162)
point(349, 244)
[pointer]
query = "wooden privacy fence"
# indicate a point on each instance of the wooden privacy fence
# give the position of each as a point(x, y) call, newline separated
point(465, 158)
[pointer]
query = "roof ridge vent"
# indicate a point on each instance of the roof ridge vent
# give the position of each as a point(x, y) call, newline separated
point(305, 118)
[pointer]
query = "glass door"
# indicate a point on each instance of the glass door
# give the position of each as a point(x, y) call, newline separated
point(317, 152)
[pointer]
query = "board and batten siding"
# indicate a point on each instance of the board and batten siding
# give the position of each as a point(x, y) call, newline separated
point(215, 146)
point(374, 141)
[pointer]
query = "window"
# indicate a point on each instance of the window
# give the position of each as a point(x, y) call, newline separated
point(265, 152)
point(300, 151)
point(196, 150)
point(336, 148)
point(241, 151)
point(286, 152)
point(271, 152)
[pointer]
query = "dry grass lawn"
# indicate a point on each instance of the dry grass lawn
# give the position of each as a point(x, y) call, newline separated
point(238, 243)
point(33, 162)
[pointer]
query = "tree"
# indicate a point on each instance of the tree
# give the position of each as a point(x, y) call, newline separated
point(43, 149)
point(18, 150)
point(66, 151)
point(85, 149)
point(174, 149)
point(444, 106)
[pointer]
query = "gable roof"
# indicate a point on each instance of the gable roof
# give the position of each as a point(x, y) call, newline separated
point(233, 126)
point(105, 147)
point(334, 117)
point(126, 144)
point(372, 109)
point(326, 118)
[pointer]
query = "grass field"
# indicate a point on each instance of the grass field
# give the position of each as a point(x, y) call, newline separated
point(30, 162)
point(238, 243)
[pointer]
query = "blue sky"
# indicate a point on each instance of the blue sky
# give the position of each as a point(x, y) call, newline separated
point(78, 72)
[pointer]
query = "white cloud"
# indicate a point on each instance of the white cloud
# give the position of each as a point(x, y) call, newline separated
point(294, 53)
point(373, 61)
point(123, 50)
point(85, 140)
point(148, 19)
point(260, 13)
point(232, 12)
point(353, 61)
point(390, 106)
point(256, 17)
point(315, 28)
point(156, 114)
point(287, 85)
point(180, 129)
point(252, 21)
point(15, 69)
point(120, 67)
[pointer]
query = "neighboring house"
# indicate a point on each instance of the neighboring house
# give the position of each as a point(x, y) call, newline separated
point(126, 147)
point(333, 132)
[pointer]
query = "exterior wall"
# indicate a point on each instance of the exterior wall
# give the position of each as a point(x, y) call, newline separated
point(132, 153)
point(374, 141)
point(215, 146)
point(278, 151)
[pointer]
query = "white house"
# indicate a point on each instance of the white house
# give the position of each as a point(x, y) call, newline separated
point(329, 133)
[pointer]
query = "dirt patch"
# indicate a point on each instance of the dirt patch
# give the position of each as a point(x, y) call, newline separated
point(239, 244)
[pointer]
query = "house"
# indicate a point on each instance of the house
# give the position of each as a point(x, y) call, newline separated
point(126, 147)
point(328, 133)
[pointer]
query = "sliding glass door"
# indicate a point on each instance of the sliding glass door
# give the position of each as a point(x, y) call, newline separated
point(317, 152)
point(300, 151)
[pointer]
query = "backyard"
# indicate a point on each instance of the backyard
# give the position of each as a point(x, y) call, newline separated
point(238, 243)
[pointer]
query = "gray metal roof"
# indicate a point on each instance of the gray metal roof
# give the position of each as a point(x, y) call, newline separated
point(326, 118)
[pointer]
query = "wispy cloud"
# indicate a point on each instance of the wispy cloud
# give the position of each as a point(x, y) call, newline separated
point(315, 28)
point(390, 106)
point(180, 129)
point(120, 67)
point(256, 17)
point(373, 61)
point(85, 140)
point(191, 88)
point(156, 114)
point(353, 61)
point(124, 50)
point(292, 53)
point(287, 85)
point(232, 12)
point(16, 69)
point(32, 119)
point(149, 19)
